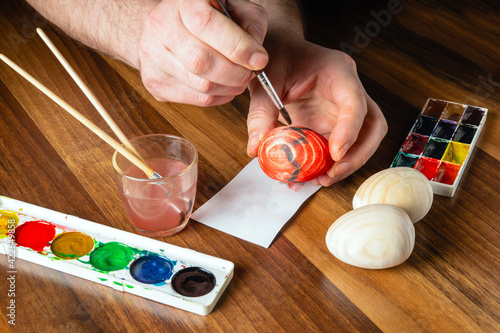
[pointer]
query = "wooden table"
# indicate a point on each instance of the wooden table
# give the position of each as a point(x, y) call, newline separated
point(450, 283)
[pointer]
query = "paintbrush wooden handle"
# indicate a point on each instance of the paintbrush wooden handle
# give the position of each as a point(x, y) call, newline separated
point(103, 135)
point(86, 90)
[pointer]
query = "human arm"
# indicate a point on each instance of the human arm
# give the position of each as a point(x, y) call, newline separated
point(319, 86)
point(176, 44)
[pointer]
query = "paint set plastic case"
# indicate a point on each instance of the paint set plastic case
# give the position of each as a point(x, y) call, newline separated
point(441, 141)
point(131, 263)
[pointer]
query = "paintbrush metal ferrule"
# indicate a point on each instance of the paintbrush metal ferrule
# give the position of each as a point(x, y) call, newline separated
point(285, 115)
point(266, 84)
point(264, 81)
point(155, 175)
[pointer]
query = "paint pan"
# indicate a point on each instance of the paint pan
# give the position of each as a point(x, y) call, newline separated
point(441, 141)
point(127, 262)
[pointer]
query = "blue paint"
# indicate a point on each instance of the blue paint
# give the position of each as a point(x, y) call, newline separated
point(151, 269)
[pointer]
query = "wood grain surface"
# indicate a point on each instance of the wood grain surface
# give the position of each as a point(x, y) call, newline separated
point(442, 49)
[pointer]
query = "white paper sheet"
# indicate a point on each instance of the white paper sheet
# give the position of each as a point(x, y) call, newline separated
point(253, 206)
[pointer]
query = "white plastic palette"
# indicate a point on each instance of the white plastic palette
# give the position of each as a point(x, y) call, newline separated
point(441, 141)
point(182, 259)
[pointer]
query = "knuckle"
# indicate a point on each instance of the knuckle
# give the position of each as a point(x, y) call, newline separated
point(240, 90)
point(349, 61)
point(155, 88)
point(237, 49)
point(261, 13)
point(244, 79)
point(150, 83)
point(205, 100)
point(198, 62)
point(255, 11)
point(203, 18)
point(256, 114)
point(205, 86)
point(364, 158)
point(152, 20)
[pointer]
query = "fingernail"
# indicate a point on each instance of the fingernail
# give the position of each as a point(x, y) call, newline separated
point(340, 169)
point(258, 60)
point(341, 152)
point(296, 187)
point(256, 33)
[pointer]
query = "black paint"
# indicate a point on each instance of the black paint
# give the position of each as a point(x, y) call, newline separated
point(193, 282)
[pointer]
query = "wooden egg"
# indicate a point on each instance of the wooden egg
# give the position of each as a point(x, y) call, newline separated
point(404, 187)
point(294, 154)
point(374, 236)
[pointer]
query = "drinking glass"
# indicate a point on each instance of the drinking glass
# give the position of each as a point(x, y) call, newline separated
point(158, 207)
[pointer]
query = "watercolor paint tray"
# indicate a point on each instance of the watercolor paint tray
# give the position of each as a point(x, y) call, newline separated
point(142, 266)
point(441, 142)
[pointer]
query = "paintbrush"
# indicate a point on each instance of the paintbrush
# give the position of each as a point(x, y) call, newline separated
point(103, 135)
point(90, 95)
point(264, 80)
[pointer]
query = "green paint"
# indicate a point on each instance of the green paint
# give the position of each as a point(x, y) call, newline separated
point(102, 279)
point(84, 261)
point(111, 256)
point(128, 286)
point(118, 283)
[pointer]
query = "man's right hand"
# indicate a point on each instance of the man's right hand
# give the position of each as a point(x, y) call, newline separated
point(190, 52)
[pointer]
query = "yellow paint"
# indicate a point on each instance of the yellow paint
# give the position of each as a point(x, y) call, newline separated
point(456, 152)
point(72, 245)
point(8, 222)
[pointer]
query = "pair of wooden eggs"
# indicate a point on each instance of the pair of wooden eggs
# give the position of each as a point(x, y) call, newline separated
point(379, 232)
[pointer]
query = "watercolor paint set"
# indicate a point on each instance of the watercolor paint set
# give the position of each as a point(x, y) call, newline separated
point(127, 262)
point(441, 141)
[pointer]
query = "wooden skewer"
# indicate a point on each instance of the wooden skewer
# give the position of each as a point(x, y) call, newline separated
point(103, 135)
point(86, 90)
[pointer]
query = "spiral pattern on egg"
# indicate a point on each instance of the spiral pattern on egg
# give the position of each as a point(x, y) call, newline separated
point(294, 154)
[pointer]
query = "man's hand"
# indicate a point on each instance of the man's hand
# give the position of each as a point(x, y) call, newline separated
point(190, 52)
point(322, 91)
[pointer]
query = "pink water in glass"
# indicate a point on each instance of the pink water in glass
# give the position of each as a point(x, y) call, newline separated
point(163, 207)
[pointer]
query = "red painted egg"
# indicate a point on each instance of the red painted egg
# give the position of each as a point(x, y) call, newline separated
point(294, 154)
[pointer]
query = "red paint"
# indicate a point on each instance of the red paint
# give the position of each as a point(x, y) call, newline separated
point(415, 144)
point(294, 154)
point(447, 173)
point(35, 234)
point(428, 166)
